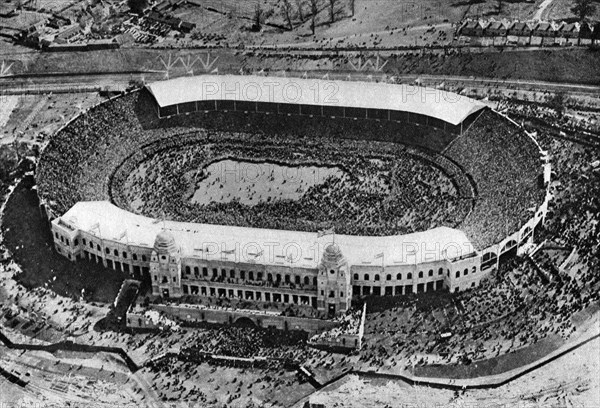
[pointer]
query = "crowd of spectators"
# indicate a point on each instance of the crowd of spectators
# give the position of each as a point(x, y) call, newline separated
point(560, 117)
point(506, 166)
point(383, 189)
point(386, 188)
point(349, 325)
point(530, 299)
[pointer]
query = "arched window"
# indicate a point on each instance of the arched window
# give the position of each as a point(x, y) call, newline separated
point(315, 281)
point(270, 277)
point(388, 277)
point(356, 276)
point(399, 276)
point(441, 271)
point(124, 254)
point(420, 274)
point(188, 270)
point(377, 277)
point(231, 273)
point(107, 251)
point(297, 280)
point(458, 274)
point(366, 276)
point(278, 277)
point(431, 272)
point(116, 252)
point(259, 276)
point(204, 271)
point(306, 280)
point(466, 271)
point(474, 269)
point(409, 276)
point(287, 278)
point(134, 257)
point(251, 275)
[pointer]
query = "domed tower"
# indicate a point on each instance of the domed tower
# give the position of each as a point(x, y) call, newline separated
point(334, 290)
point(165, 266)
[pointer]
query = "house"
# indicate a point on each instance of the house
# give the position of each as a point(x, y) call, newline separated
point(585, 34)
point(596, 34)
point(99, 12)
point(495, 29)
point(481, 27)
point(570, 32)
point(186, 27)
point(519, 33)
point(162, 7)
point(68, 34)
point(469, 28)
point(543, 29)
point(125, 39)
point(559, 39)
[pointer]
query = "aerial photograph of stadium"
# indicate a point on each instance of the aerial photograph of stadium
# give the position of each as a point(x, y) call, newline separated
point(299, 203)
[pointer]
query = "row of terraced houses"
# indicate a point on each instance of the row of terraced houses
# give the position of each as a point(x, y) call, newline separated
point(529, 33)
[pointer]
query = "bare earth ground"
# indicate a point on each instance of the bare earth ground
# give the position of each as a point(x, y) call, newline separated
point(568, 381)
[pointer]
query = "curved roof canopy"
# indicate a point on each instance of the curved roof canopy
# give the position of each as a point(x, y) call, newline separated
point(265, 246)
point(446, 106)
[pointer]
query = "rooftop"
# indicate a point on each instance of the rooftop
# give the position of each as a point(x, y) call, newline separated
point(446, 106)
point(264, 246)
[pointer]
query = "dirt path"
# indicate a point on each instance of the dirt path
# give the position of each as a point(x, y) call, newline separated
point(539, 14)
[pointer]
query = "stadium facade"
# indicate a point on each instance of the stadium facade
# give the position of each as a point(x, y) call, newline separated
point(319, 270)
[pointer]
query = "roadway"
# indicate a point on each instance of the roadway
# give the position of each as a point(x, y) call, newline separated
point(23, 84)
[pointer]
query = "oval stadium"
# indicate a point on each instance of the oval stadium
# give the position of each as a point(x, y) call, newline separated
point(293, 191)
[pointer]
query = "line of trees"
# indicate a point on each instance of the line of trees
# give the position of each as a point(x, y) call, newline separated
point(288, 9)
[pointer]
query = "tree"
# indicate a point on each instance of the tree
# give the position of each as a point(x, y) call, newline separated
point(583, 8)
point(300, 13)
point(137, 6)
point(314, 9)
point(257, 17)
point(557, 102)
point(286, 7)
point(332, 4)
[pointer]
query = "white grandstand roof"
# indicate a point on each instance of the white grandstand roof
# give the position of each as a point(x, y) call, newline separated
point(447, 106)
point(278, 247)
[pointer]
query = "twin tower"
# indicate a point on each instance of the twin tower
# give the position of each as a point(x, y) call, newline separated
point(327, 288)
